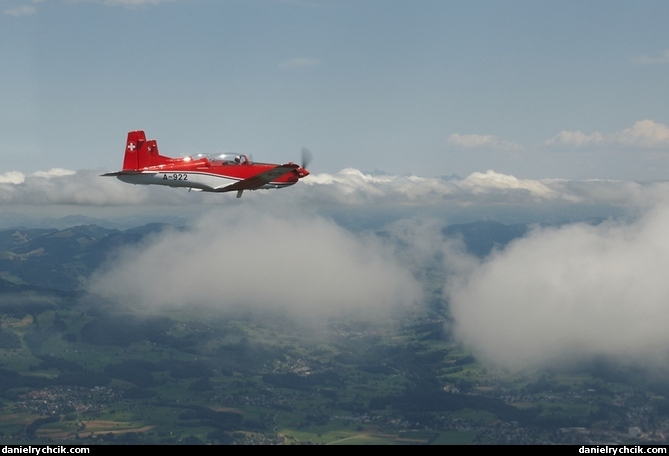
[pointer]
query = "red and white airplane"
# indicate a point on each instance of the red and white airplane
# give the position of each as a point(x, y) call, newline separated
point(143, 164)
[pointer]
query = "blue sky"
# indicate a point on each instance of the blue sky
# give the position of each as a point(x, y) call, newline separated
point(533, 89)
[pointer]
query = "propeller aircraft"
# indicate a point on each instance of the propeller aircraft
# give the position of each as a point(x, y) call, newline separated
point(143, 164)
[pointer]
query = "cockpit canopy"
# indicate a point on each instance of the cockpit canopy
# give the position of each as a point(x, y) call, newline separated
point(223, 159)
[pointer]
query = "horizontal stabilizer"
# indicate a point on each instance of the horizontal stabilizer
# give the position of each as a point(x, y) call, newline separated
point(124, 173)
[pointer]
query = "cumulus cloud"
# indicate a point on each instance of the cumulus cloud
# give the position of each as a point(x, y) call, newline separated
point(12, 177)
point(484, 182)
point(577, 139)
point(570, 293)
point(644, 134)
point(479, 141)
point(262, 259)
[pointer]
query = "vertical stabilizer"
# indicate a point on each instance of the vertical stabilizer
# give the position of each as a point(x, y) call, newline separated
point(140, 153)
point(136, 140)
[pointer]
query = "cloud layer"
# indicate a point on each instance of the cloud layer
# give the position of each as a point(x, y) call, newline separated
point(349, 187)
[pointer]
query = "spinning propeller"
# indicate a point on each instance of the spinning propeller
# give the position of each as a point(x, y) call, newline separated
point(306, 158)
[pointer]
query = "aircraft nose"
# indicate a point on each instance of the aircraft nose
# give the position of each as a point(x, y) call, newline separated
point(303, 172)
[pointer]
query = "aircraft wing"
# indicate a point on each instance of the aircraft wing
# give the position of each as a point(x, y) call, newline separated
point(261, 179)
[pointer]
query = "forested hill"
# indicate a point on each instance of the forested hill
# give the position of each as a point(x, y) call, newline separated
point(61, 259)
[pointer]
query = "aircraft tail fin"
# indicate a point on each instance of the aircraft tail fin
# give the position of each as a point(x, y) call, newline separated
point(140, 153)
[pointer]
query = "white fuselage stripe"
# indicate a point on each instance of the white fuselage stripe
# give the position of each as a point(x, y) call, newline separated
point(189, 179)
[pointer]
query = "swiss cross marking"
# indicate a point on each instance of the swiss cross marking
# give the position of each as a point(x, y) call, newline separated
point(131, 147)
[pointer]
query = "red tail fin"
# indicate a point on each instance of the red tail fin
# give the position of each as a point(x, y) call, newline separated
point(140, 153)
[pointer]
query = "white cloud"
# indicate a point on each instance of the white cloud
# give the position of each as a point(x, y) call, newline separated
point(280, 260)
point(299, 62)
point(577, 139)
point(23, 10)
point(644, 134)
point(570, 293)
point(54, 173)
point(479, 141)
point(12, 177)
point(663, 57)
point(492, 181)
